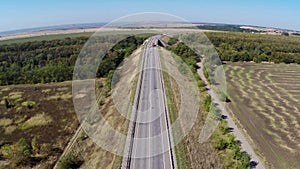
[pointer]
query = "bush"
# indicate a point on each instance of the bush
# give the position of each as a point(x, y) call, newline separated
point(223, 127)
point(172, 41)
point(245, 160)
point(225, 142)
point(219, 143)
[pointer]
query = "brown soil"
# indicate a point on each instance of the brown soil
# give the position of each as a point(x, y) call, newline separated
point(263, 103)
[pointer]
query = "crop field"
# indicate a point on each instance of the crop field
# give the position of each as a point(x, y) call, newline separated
point(46, 37)
point(265, 99)
point(42, 111)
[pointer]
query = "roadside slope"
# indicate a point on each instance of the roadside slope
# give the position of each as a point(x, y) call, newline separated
point(231, 124)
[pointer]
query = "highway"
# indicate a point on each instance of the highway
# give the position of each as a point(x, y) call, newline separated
point(150, 147)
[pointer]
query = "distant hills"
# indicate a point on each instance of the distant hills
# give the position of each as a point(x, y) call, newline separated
point(247, 28)
point(204, 26)
point(51, 28)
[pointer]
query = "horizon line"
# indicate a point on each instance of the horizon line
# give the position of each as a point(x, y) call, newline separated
point(100, 24)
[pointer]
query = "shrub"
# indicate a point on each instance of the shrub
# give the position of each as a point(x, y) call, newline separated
point(172, 41)
point(219, 143)
point(245, 160)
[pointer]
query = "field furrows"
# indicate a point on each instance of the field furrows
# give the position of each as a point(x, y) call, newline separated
point(266, 99)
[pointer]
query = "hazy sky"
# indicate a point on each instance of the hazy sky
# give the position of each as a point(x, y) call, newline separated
point(18, 14)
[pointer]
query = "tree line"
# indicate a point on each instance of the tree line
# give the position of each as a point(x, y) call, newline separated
point(54, 60)
point(258, 48)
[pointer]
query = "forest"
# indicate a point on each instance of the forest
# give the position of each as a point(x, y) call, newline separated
point(234, 47)
point(54, 60)
point(231, 28)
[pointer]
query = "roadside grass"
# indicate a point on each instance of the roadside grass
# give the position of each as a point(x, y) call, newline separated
point(15, 95)
point(62, 89)
point(28, 104)
point(227, 148)
point(180, 150)
point(46, 91)
point(5, 89)
point(4, 122)
point(60, 96)
point(10, 129)
point(41, 119)
point(18, 119)
point(135, 82)
point(83, 146)
point(189, 152)
point(133, 89)
point(173, 99)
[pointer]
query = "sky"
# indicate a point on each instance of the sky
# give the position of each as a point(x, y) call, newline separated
point(20, 14)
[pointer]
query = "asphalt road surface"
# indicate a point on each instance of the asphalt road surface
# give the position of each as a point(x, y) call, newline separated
point(151, 145)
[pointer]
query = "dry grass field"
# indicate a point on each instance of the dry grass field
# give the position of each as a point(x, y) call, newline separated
point(265, 99)
point(42, 111)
